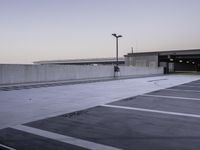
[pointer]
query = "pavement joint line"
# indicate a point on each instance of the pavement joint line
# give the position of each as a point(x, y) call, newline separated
point(152, 111)
point(7, 147)
point(64, 138)
point(157, 80)
point(183, 90)
point(172, 97)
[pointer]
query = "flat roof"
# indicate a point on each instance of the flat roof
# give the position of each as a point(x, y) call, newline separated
point(169, 52)
point(89, 60)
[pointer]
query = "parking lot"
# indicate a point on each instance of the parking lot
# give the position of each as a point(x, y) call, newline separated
point(164, 119)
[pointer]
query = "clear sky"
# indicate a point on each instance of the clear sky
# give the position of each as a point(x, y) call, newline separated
point(32, 30)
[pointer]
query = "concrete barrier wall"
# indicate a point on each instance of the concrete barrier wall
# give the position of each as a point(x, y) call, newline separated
point(14, 74)
point(136, 71)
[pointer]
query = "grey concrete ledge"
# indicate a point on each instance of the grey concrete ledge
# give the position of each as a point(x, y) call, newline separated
point(9, 87)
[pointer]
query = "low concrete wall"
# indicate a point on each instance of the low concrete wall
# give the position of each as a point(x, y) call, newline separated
point(14, 74)
point(136, 71)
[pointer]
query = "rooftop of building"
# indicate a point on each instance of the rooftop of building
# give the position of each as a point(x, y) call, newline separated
point(88, 60)
point(168, 52)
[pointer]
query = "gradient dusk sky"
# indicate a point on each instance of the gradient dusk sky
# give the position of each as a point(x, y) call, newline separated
point(32, 30)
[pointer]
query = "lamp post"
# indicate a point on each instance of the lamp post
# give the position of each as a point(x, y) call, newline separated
point(117, 63)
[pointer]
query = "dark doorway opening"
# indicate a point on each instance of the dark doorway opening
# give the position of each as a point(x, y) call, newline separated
point(180, 63)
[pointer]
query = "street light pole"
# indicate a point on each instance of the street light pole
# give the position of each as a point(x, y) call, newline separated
point(117, 37)
point(117, 51)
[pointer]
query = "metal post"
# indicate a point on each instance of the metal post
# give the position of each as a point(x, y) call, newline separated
point(117, 62)
point(117, 51)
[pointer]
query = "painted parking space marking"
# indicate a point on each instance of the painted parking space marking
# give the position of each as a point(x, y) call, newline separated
point(171, 97)
point(153, 111)
point(197, 91)
point(7, 147)
point(26, 141)
point(64, 138)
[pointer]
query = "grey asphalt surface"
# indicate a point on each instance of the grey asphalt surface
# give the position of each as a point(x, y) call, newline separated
point(123, 128)
point(187, 87)
point(24, 141)
point(127, 129)
point(186, 94)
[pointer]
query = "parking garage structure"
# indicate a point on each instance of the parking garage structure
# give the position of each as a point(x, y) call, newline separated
point(172, 61)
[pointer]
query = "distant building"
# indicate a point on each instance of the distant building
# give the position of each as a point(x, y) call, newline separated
point(91, 61)
point(172, 61)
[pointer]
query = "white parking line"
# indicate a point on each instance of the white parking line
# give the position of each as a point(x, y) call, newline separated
point(183, 90)
point(65, 139)
point(172, 97)
point(4, 146)
point(153, 111)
